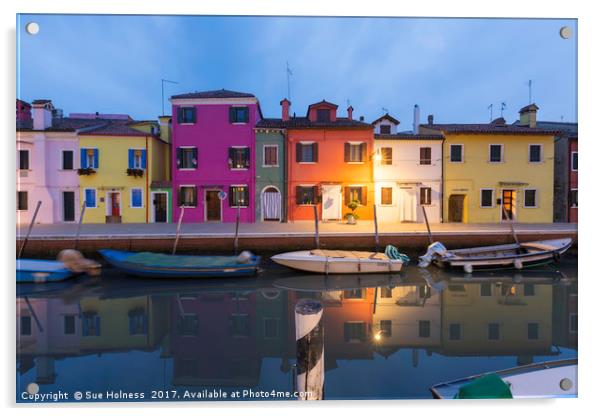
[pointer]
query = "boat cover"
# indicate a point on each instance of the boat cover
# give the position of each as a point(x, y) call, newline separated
point(166, 260)
point(344, 254)
point(489, 386)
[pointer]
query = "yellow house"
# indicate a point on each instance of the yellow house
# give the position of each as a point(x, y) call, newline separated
point(496, 167)
point(118, 164)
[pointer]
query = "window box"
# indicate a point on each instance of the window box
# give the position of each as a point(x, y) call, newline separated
point(86, 171)
point(135, 172)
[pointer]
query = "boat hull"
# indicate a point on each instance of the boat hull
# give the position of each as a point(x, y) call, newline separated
point(41, 271)
point(304, 261)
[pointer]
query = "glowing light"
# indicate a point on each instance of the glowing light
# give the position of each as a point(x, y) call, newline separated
point(377, 336)
point(378, 157)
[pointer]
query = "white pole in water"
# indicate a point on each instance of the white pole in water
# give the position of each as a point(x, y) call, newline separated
point(33, 219)
point(175, 243)
point(236, 230)
point(309, 333)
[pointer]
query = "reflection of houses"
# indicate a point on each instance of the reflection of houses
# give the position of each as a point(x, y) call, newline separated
point(565, 316)
point(272, 329)
point(212, 339)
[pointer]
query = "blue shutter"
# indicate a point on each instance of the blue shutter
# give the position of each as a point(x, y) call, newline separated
point(95, 158)
point(130, 158)
point(82, 158)
point(144, 159)
point(136, 198)
point(90, 198)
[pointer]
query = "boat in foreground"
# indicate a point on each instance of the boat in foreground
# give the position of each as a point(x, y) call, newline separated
point(159, 265)
point(551, 379)
point(343, 261)
point(512, 256)
point(42, 271)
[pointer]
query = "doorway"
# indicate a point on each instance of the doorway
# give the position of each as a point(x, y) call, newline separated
point(508, 204)
point(455, 211)
point(68, 206)
point(213, 205)
point(113, 207)
point(271, 203)
point(159, 206)
point(407, 205)
point(332, 201)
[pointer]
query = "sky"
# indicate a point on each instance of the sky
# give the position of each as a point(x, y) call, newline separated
point(452, 68)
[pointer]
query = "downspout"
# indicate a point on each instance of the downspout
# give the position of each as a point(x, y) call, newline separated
point(442, 197)
point(147, 172)
point(285, 174)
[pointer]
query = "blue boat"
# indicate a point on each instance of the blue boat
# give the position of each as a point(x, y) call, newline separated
point(41, 271)
point(159, 265)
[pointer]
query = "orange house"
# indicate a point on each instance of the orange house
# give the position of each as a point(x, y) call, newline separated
point(329, 163)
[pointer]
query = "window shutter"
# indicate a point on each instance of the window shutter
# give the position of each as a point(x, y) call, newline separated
point(315, 195)
point(247, 157)
point(95, 158)
point(232, 114)
point(195, 158)
point(231, 156)
point(144, 159)
point(364, 200)
point(193, 118)
point(194, 197)
point(180, 195)
point(364, 149)
point(246, 196)
point(231, 197)
point(298, 150)
point(130, 158)
point(179, 157)
point(299, 195)
point(247, 115)
point(347, 152)
point(83, 160)
point(347, 195)
point(180, 115)
point(315, 149)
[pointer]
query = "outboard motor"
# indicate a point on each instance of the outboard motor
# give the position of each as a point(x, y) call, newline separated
point(435, 249)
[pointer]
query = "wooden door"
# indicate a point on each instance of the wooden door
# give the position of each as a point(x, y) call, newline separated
point(213, 206)
point(509, 204)
point(455, 211)
point(115, 212)
point(160, 202)
point(68, 206)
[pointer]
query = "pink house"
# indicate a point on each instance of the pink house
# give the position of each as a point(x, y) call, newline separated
point(213, 157)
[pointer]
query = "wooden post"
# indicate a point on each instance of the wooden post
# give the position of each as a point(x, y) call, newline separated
point(175, 243)
point(511, 222)
point(79, 225)
point(317, 232)
point(236, 231)
point(33, 219)
point(428, 227)
point(309, 333)
point(376, 240)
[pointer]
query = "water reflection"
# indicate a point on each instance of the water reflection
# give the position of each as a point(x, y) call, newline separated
point(384, 336)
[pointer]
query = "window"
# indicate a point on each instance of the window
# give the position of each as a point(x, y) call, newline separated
point(89, 158)
point(424, 291)
point(353, 294)
point(532, 330)
point(90, 324)
point(495, 153)
point(188, 325)
point(239, 196)
point(69, 324)
point(355, 152)
point(136, 197)
point(534, 153)
point(530, 198)
point(425, 155)
point(323, 115)
point(356, 193)
point(136, 158)
point(486, 198)
point(187, 196)
point(493, 331)
point(425, 196)
point(239, 157)
point(386, 328)
point(385, 129)
point(386, 196)
point(424, 329)
point(574, 161)
point(239, 114)
point(239, 325)
point(307, 152)
point(456, 153)
point(386, 154)
point(67, 160)
point(386, 292)
point(271, 327)
point(306, 195)
point(26, 325)
point(529, 289)
point(573, 322)
point(186, 115)
point(23, 159)
point(354, 331)
point(455, 332)
point(270, 155)
point(22, 201)
point(187, 157)
point(138, 322)
point(90, 197)
point(573, 198)
point(485, 289)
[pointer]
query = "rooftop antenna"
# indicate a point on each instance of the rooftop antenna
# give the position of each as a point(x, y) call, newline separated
point(385, 111)
point(163, 81)
point(348, 102)
point(561, 119)
point(530, 84)
point(289, 74)
point(490, 108)
point(502, 108)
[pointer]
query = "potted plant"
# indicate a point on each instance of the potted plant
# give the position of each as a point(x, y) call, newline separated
point(352, 216)
point(135, 172)
point(85, 171)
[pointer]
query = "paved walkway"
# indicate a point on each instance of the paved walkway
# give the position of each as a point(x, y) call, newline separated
point(270, 230)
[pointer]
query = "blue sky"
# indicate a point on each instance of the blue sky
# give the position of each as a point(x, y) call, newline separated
point(452, 68)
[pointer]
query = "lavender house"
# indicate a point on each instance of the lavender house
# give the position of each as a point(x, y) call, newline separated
point(213, 158)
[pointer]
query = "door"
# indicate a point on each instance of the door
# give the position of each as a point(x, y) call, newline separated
point(271, 202)
point(508, 204)
point(115, 211)
point(455, 212)
point(213, 205)
point(160, 204)
point(68, 206)
point(407, 205)
point(332, 201)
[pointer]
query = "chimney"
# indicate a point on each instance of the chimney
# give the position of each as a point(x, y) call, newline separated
point(416, 118)
point(528, 115)
point(42, 114)
point(350, 113)
point(361, 118)
point(285, 106)
point(430, 119)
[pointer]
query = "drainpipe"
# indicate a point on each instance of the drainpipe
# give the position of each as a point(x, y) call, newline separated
point(147, 171)
point(285, 174)
point(442, 198)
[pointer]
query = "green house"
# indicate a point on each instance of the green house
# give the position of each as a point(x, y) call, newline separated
point(270, 160)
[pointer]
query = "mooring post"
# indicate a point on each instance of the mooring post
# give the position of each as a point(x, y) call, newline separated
point(511, 222)
point(309, 333)
point(33, 219)
point(317, 232)
point(175, 243)
point(236, 231)
point(376, 240)
point(428, 227)
point(79, 225)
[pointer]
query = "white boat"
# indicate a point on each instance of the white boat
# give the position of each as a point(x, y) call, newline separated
point(341, 261)
point(513, 256)
point(551, 379)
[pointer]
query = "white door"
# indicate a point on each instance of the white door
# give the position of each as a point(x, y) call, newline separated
point(331, 202)
point(271, 202)
point(407, 205)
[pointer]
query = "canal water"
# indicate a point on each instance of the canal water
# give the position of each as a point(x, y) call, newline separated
point(385, 337)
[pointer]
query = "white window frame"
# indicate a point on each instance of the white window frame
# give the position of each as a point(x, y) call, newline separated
point(525, 198)
point(430, 188)
point(492, 198)
point(572, 159)
point(177, 114)
point(307, 163)
point(540, 153)
point(234, 123)
point(28, 159)
point(141, 167)
point(277, 156)
point(132, 197)
point(501, 153)
point(241, 147)
point(95, 197)
point(63, 160)
point(461, 152)
point(356, 143)
point(91, 165)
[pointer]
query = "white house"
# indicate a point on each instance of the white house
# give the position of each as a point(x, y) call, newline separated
point(407, 173)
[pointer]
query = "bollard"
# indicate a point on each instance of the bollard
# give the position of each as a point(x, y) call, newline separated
point(309, 333)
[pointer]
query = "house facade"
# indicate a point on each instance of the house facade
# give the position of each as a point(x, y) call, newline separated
point(213, 156)
point(496, 172)
point(407, 173)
